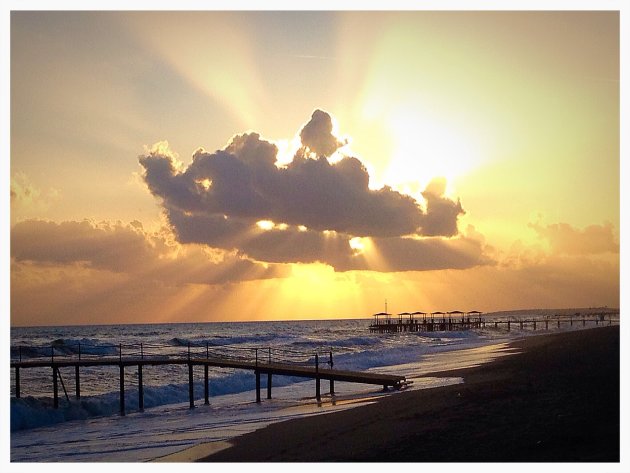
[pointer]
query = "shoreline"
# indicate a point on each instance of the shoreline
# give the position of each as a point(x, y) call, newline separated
point(463, 358)
point(555, 400)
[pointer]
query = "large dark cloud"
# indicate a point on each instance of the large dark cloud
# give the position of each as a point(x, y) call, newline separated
point(129, 249)
point(311, 192)
point(218, 198)
point(293, 245)
point(289, 245)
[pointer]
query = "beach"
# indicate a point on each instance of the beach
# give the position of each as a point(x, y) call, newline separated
point(557, 400)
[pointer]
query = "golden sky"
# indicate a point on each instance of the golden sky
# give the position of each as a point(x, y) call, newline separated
point(205, 166)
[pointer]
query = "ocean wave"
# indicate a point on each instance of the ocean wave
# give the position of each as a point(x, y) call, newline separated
point(356, 342)
point(29, 412)
point(224, 340)
point(377, 358)
point(185, 342)
point(353, 349)
point(65, 347)
point(248, 339)
point(347, 344)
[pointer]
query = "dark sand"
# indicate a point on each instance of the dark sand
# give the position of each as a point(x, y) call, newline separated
point(558, 400)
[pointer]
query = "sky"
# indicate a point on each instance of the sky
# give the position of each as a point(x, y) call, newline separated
point(269, 165)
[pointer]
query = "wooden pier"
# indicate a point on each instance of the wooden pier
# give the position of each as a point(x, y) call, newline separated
point(459, 321)
point(258, 360)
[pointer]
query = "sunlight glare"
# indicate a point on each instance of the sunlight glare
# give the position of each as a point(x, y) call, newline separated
point(228, 76)
point(425, 148)
point(315, 291)
point(287, 150)
point(205, 183)
point(357, 245)
point(265, 224)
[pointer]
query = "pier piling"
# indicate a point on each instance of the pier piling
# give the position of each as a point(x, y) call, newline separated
point(122, 389)
point(77, 382)
point(257, 386)
point(63, 385)
point(318, 394)
point(268, 385)
point(206, 393)
point(332, 381)
point(191, 394)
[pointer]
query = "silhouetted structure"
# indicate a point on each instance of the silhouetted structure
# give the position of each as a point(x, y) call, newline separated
point(457, 320)
point(269, 361)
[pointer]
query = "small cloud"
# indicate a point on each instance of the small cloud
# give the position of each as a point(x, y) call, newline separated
point(317, 134)
point(436, 187)
point(566, 239)
point(442, 212)
point(27, 200)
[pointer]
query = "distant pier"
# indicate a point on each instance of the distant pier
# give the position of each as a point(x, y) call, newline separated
point(460, 321)
point(261, 361)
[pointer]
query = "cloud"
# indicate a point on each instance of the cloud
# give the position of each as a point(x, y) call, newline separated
point(442, 213)
point(412, 254)
point(566, 239)
point(317, 134)
point(27, 200)
point(129, 249)
point(318, 206)
point(294, 245)
point(242, 181)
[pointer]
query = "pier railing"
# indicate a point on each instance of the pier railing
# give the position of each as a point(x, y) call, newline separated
point(85, 351)
point(313, 364)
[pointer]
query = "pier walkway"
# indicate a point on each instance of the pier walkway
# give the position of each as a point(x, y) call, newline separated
point(261, 361)
point(459, 321)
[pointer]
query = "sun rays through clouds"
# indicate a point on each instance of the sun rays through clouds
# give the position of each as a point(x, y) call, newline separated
point(309, 210)
point(249, 165)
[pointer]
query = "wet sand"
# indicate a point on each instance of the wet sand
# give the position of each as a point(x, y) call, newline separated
point(557, 400)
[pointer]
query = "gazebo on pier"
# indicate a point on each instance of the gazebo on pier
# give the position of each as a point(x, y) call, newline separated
point(385, 318)
point(438, 321)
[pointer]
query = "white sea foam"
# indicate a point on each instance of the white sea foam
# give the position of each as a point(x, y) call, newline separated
point(171, 428)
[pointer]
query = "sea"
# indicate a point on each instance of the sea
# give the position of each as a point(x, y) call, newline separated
point(91, 429)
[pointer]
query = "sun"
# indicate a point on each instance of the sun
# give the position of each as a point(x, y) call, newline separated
point(425, 147)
